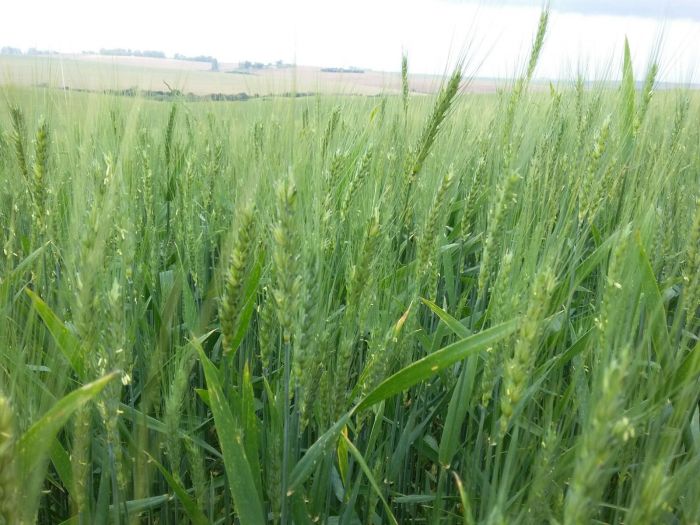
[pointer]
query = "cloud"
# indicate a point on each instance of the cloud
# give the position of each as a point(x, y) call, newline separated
point(644, 8)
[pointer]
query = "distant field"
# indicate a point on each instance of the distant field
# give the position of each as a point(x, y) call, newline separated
point(97, 72)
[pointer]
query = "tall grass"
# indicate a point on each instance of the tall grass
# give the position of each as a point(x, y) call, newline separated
point(459, 309)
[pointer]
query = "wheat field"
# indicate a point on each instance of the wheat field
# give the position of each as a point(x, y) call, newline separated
point(442, 309)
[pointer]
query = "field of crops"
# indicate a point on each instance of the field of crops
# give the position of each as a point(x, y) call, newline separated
point(397, 309)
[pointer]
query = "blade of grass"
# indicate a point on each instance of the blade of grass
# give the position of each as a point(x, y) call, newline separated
point(370, 477)
point(36, 443)
point(430, 365)
point(37, 440)
point(193, 512)
point(452, 323)
point(67, 343)
point(238, 472)
point(399, 382)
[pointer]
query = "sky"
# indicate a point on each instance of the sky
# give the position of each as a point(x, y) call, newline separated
point(585, 36)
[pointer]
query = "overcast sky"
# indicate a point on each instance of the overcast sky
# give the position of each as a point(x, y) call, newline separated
point(585, 35)
point(652, 8)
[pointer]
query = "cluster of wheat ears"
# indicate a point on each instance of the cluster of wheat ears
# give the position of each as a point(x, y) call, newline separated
point(451, 309)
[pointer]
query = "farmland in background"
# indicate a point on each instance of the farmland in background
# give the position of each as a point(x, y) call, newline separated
point(98, 73)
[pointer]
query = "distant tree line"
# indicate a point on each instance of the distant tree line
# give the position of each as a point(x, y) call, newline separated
point(247, 64)
point(7, 50)
point(200, 58)
point(119, 52)
point(174, 94)
point(341, 70)
point(126, 52)
point(32, 51)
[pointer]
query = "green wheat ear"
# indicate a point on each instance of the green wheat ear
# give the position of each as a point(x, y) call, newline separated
point(9, 479)
point(404, 84)
point(19, 138)
point(285, 257)
point(428, 262)
point(414, 162)
point(39, 171)
point(232, 302)
point(432, 126)
point(628, 92)
point(538, 44)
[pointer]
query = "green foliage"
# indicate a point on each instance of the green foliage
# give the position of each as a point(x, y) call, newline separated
point(452, 309)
